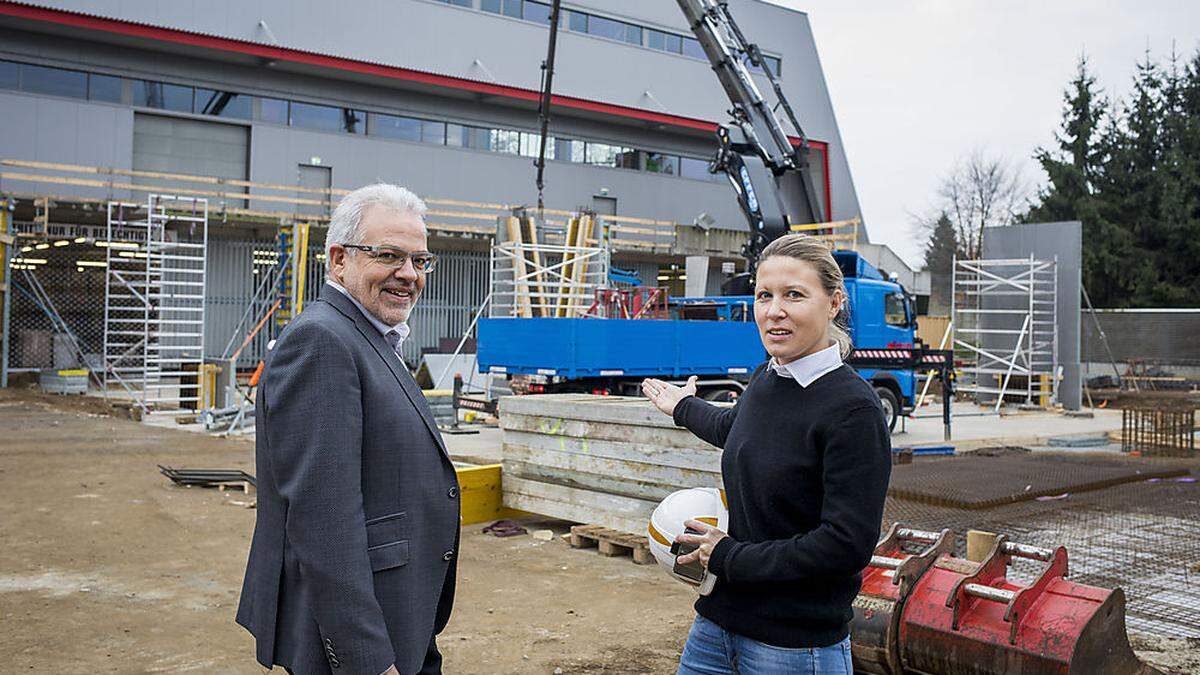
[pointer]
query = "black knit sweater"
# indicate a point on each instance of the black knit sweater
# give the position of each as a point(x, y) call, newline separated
point(806, 473)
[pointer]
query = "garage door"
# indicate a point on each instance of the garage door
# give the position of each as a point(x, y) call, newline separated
point(178, 145)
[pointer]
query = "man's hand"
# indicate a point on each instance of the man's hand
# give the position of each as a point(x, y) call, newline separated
point(706, 541)
point(666, 396)
point(391, 671)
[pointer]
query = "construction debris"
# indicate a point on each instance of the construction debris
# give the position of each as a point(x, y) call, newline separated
point(209, 477)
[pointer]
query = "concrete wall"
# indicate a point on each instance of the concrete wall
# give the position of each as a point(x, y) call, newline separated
point(1048, 241)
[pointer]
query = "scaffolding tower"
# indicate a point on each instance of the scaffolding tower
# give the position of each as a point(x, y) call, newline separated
point(154, 294)
point(1004, 313)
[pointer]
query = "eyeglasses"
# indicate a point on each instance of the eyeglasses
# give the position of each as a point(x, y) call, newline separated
point(394, 258)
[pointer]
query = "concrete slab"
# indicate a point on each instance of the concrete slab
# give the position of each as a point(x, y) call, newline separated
point(975, 427)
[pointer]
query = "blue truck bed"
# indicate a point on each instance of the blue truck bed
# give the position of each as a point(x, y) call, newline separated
point(578, 348)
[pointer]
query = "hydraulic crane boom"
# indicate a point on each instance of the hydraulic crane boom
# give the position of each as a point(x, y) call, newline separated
point(769, 173)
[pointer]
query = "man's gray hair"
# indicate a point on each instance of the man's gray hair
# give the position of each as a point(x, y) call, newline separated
point(345, 225)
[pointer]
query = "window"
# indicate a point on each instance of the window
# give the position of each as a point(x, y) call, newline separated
point(463, 136)
point(505, 141)
point(407, 128)
point(223, 104)
point(531, 143)
point(327, 118)
point(460, 3)
point(660, 163)
point(692, 48)
point(53, 81)
point(537, 12)
point(895, 310)
point(273, 110)
point(578, 22)
point(569, 150)
point(694, 168)
point(603, 154)
point(506, 7)
point(106, 88)
point(162, 95)
point(614, 30)
point(10, 75)
point(667, 42)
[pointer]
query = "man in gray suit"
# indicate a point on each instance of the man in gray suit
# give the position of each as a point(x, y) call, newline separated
point(352, 565)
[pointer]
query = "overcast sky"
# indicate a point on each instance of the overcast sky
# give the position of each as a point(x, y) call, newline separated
point(917, 85)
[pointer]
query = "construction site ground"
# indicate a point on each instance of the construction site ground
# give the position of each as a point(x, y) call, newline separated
point(108, 567)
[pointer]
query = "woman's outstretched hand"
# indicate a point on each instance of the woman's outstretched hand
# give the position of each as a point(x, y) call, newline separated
point(666, 396)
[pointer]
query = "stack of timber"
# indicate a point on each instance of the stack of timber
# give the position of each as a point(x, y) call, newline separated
point(603, 460)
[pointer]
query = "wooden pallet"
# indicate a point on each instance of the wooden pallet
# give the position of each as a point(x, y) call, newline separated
point(611, 542)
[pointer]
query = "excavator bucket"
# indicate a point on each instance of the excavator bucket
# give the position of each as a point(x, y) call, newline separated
point(887, 581)
point(969, 617)
point(923, 611)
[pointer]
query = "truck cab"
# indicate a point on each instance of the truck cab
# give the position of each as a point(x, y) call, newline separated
point(882, 317)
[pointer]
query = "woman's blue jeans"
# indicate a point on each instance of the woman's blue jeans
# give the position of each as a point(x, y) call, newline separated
point(712, 650)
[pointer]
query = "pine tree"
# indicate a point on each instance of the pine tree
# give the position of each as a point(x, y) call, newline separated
point(1073, 169)
point(1177, 186)
point(940, 251)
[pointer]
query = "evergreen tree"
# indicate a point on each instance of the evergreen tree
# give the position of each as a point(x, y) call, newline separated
point(1177, 186)
point(1073, 169)
point(939, 260)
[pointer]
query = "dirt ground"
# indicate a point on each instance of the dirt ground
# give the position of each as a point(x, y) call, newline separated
point(107, 567)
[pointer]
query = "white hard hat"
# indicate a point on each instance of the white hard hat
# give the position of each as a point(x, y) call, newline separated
point(704, 504)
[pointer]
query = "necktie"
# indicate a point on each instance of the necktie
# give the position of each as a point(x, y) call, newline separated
point(393, 339)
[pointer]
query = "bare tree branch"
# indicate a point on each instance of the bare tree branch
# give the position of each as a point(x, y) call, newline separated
point(979, 191)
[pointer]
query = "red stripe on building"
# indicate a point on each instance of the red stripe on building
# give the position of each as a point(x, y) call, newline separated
point(192, 39)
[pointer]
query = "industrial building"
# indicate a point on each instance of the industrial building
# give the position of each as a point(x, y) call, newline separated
point(291, 103)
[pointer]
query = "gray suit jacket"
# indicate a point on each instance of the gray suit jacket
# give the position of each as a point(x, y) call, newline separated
point(353, 561)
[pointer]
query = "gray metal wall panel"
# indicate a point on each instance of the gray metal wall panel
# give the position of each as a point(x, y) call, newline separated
point(490, 48)
point(66, 131)
point(1047, 241)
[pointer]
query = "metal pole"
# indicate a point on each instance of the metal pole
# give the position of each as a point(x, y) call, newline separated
point(544, 105)
point(5, 297)
point(1100, 332)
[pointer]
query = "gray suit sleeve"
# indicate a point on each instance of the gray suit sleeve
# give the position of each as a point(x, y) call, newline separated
point(314, 427)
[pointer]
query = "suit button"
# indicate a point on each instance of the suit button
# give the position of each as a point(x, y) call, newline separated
point(452, 492)
point(447, 555)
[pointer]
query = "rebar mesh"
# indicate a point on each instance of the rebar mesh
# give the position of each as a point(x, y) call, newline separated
point(1143, 537)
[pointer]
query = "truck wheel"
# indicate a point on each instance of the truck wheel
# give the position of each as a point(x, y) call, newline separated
point(891, 406)
point(719, 395)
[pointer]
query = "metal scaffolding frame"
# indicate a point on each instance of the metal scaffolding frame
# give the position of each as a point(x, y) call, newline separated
point(1004, 313)
point(156, 262)
point(545, 279)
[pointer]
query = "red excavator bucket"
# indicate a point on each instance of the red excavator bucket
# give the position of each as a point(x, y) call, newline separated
point(966, 617)
point(887, 580)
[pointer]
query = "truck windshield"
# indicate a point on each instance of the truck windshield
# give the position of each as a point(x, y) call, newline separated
point(894, 310)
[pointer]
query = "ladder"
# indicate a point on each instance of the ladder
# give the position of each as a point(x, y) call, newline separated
point(156, 263)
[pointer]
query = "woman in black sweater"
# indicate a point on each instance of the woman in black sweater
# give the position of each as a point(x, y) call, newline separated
point(805, 468)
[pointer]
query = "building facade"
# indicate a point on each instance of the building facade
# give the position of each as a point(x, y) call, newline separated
point(438, 95)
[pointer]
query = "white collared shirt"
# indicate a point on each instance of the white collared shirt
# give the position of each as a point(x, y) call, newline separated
point(401, 329)
point(809, 369)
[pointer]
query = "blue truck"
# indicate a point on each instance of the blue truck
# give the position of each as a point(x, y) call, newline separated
point(713, 338)
point(768, 166)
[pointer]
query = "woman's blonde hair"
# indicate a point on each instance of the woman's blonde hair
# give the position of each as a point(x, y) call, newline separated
point(816, 253)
